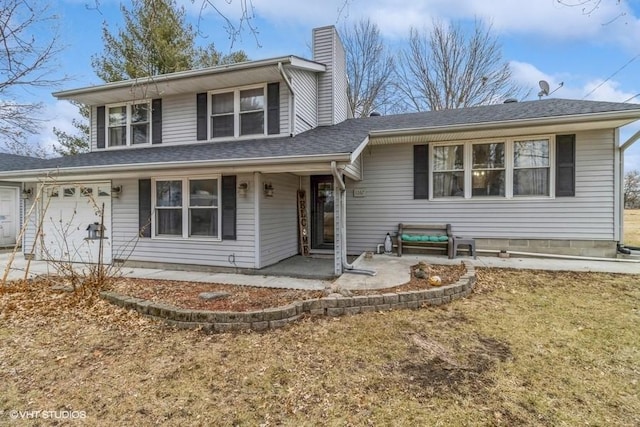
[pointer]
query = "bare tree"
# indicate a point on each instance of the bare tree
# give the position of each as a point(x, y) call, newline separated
point(445, 68)
point(369, 67)
point(632, 190)
point(28, 45)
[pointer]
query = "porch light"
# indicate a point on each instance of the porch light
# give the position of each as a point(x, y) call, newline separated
point(116, 191)
point(26, 193)
point(243, 188)
point(268, 190)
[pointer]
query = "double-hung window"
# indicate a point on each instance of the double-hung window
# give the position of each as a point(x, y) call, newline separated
point(187, 208)
point(488, 170)
point(238, 113)
point(128, 124)
point(512, 167)
point(448, 171)
point(531, 170)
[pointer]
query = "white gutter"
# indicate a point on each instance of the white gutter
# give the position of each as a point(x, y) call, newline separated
point(631, 115)
point(343, 225)
point(292, 94)
point(257, 162)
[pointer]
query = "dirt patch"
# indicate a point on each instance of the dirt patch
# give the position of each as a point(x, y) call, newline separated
point(438, 369)
point(247, 298)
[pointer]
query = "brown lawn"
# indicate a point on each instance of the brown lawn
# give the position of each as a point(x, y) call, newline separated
point(526, 348)
point(632, 227)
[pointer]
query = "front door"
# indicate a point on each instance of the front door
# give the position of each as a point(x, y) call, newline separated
point(322, 212)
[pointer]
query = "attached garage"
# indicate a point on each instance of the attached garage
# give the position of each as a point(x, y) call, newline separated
point(76, 223)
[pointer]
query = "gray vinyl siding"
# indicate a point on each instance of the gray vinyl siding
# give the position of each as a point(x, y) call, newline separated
point(305, 86)
point(323, 52)
point(279, 219)
point(388, 181)
point(179, 119)
point(126, 244)
point(341, 101)
point(332, 84)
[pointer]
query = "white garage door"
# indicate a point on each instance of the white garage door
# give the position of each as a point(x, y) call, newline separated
point(8, 216)
point(71, 222)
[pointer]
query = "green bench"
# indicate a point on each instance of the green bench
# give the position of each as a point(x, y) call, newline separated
point(425, 236)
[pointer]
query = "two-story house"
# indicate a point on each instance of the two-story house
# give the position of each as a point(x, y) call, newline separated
point(247, 164)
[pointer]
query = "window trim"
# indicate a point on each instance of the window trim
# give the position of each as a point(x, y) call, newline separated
point(509, 168)
point(236, 112)
point(129, 107)
point(185, 207)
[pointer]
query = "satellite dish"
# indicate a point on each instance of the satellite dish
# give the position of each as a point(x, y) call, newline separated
point(544, 88)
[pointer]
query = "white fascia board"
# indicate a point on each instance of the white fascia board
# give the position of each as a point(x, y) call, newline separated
point(189, 74)
point(630, 115)
point(284, 164)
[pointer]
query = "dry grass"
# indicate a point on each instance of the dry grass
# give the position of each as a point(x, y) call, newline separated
point(527, 348)
point(632, 227)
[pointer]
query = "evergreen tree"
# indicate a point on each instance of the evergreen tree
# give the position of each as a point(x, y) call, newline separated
point(155, 39)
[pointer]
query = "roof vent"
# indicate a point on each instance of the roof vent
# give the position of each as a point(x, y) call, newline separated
point(510, 100)
point(374, 114)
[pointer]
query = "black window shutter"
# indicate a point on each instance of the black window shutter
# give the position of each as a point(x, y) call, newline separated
point(565, 165)
point(273, 108)
point(201, 115)
point(144, 207)
point(229, 207)
point(156, 121)
point(100, 128)
point(421, 171)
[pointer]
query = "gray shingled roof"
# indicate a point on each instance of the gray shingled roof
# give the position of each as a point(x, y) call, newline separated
point(16, 162)
point(329, 140)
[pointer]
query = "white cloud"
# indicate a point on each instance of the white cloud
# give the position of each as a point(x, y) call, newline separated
point(610, 22)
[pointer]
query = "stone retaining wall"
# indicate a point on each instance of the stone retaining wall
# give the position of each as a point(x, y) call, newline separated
point(270, 318)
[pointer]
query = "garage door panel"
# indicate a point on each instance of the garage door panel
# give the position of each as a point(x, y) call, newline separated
point(71, 211)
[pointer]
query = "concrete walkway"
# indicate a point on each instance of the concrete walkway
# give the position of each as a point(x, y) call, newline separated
point(391, 270)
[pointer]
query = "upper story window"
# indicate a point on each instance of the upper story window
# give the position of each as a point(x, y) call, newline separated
point(128, 124)
point(241, 112)
point(238, 113)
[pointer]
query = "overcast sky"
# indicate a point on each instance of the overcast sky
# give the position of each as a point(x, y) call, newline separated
point(594, 49)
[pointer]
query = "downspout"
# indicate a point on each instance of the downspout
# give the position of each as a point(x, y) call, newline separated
point(343, 225)
point(292, 98)
point(621, 149)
